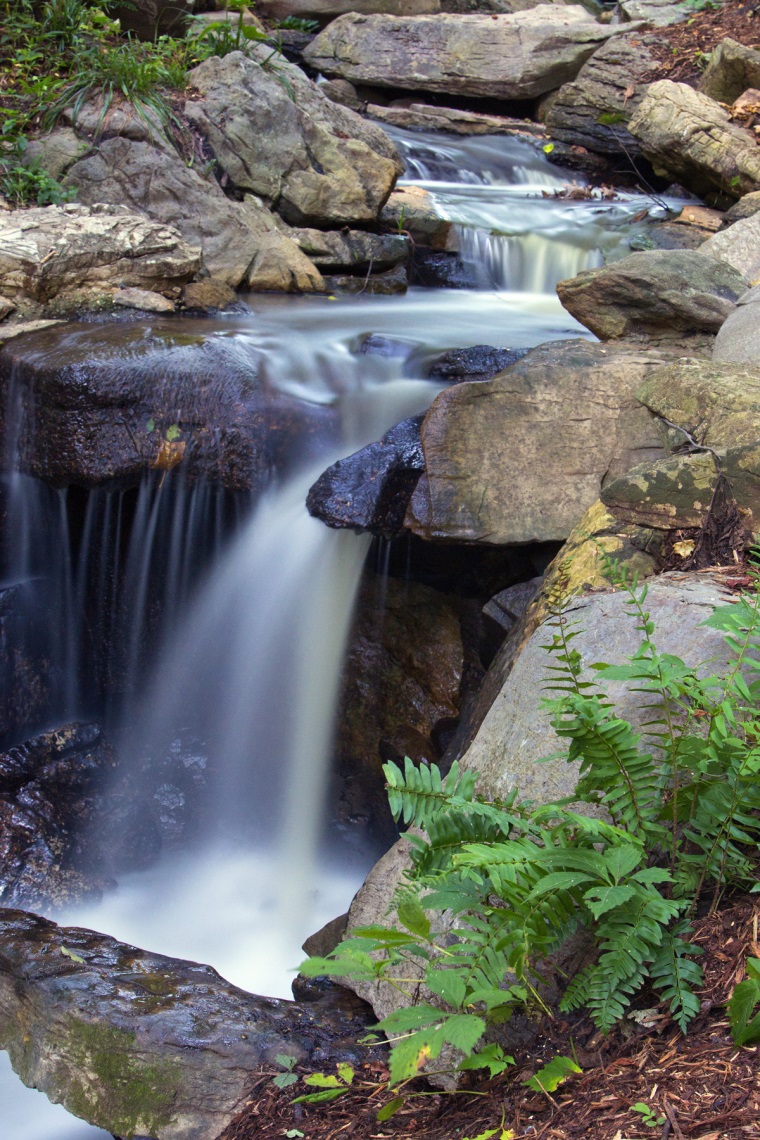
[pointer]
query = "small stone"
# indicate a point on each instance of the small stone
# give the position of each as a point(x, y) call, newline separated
point(6, 308)
point(144, 299)
point(211, 293)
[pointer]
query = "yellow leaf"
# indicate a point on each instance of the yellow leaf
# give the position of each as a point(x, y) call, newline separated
point(683, 549)
point(169, 455)
point(70, 954)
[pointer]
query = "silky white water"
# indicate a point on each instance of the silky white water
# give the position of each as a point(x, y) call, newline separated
point(252, 656)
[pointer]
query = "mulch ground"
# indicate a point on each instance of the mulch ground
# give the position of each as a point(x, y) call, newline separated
point(698, 1087)
point(684, 48)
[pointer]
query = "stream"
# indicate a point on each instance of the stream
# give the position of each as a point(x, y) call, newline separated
point(260, 631)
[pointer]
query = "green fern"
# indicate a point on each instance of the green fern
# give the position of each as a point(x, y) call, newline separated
point(682, 801)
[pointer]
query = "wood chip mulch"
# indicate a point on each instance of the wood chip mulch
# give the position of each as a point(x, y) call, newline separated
point(698, 1087)
point(683, 49)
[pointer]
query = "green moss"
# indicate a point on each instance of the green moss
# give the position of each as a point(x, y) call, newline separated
point(117, 1089)
point(611, 118)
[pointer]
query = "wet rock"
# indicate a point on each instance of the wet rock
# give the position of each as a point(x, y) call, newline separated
point(25, 679)
point(438, 269)
point(276, 136)
point(112, 403)
point(352, 251)
point(732, 68)
point(738, 340)
point(548, 432)
point(506, 57)
point(143, 300)
point(239, 241)
point(141, 1044)
point(670, 235)
point(45, 787)
point(370, 490)
point(690, 139)
point(480, 362)
point(506, 608)
point(593, 111)
point(209, 295)
point(401, 680)
point(411, 211)
point(387, 283)
point(659, 294)
point(57, 249)
point(739, 246)
point(6, 308)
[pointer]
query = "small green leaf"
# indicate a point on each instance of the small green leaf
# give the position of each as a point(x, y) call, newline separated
point(173, 432)
point(346, 1073)
point(322, 1080)
point(551, 1076)
point(284, 1080)
point(294, 1133)
point(548, 148)
point(150, 426)
point(286, 1060)
point(391, 1108)
point(412, 916)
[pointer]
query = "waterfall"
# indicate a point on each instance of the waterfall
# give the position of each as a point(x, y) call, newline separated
point(250, 599)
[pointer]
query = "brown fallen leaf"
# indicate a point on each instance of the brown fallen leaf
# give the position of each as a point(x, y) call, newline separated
point(169, 455)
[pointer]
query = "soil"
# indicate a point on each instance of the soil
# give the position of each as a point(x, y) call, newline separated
point(698, 1087)
point(684, 48)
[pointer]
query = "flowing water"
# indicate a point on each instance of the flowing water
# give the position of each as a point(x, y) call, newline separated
point(254, 630)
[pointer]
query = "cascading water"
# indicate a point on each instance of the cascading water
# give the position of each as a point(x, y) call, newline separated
point(249, 669)
point(515, 229)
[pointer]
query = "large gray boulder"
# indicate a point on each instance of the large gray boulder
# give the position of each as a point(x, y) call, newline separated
point(738, 340)
point(547, 433)
point(657, 294)
point(61, 249)
point(593, 110)
point(145, 1045)
point(732, 68)
point(516, 732)
point(514, 56)
point(688, 137)
point(240, 242)
point(739, 246)
point(276, 136)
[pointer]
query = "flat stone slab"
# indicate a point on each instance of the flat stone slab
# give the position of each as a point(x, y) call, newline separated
point(515, 56)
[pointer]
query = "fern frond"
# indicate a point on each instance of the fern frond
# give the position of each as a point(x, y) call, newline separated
point(674, 974)
point(419, 794)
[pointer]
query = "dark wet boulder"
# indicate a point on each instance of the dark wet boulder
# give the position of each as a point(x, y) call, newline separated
point(481, 362)
point(145, 1045)
point(440, 269)
point(106, 404)
point(46, 789)
point(370, 490)
point(400, 691)
point(25, 669)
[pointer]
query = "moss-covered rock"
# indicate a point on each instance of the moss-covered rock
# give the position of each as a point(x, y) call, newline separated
point(141, 1044)
point(717, 404)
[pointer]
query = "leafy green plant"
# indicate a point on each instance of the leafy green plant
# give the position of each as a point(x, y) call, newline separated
point(298, 24)
point(743, 1012)
point(649, 1115)
point(23, 181)
point(330, 1086)
point(679, 806)
point(288, 1078)
point(551, 1076)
